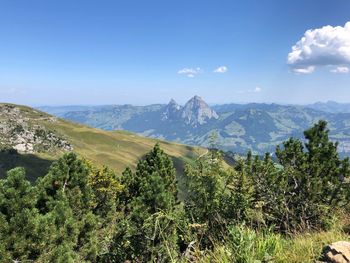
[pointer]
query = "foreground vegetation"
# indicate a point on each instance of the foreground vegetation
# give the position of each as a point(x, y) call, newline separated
point(259, 210)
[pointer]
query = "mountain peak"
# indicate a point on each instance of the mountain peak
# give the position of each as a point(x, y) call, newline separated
point(172, 102)
point(197, 112)
point(196, 98)
point(171, 111)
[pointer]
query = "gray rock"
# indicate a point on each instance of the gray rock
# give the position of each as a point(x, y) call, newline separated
point(337, 252)
point(171, 111)
point(197, 112)
point(26, 135)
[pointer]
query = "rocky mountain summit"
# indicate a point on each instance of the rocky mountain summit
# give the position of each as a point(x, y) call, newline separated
point(20, 130)
point(197, 112)
point(171, 111)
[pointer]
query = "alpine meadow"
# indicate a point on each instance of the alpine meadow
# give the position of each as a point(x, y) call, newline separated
point(175, 131)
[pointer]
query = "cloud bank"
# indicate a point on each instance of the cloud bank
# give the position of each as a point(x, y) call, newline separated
point(326, 46)
point(221, 69)
point(340, 70)
point(189, 72)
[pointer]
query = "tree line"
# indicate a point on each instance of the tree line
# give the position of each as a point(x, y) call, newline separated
point(80, 213)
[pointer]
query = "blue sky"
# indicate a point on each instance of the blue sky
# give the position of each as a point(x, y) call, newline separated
point(114, 52)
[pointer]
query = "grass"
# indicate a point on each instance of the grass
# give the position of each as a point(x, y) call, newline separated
point(308, 247)
point(116, 149)
point(248, 246)
point(302, 248)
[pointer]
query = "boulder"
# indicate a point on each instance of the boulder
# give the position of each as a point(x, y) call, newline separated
point(337, 252)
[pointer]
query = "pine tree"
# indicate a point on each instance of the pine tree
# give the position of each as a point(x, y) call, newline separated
point(149, 231)
point(242, 192)
point(209, 202)
point(68, 177)
point(18, 218)
point(316, 178)
point(73, 217)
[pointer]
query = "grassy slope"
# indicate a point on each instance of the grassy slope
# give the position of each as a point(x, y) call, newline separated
point(117, 149)
point(298, 248)
point(293, 248)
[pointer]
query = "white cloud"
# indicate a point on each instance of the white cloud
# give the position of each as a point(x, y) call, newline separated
point(306, 70)
point(340, 70)
point(321, 47)
point(257, 89)
point(221, 69)
point(190, 72)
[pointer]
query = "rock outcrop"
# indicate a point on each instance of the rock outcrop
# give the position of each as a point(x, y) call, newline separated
point(338, 252)
point(23, 133)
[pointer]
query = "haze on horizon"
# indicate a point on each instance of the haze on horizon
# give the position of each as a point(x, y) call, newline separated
point(133, 52)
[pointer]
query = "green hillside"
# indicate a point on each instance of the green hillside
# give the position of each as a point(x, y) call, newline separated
point(117, 149)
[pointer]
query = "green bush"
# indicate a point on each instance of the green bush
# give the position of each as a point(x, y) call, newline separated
point(247, 245)
point(246, 213)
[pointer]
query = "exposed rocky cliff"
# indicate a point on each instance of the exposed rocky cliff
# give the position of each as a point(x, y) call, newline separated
point(197, 112)
point(22, 132)
point(171, 111)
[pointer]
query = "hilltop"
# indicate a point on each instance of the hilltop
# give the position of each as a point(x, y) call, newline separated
point(33, 139)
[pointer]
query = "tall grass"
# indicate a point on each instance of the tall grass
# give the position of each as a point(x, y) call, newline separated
point(245, 245)
point(248, 245)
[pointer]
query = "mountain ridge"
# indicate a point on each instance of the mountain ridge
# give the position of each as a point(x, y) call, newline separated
point(240, 127)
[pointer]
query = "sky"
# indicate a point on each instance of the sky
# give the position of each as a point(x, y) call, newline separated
point(64, 52)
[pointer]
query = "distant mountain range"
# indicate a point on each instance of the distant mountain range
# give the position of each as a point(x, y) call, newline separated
point(33, 139)
point(239, 127)
point(331, 106)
